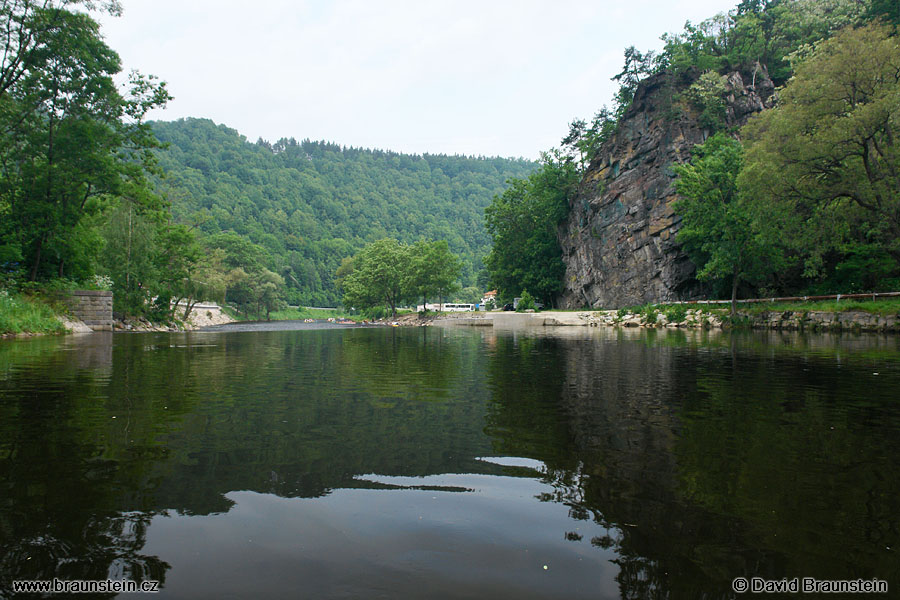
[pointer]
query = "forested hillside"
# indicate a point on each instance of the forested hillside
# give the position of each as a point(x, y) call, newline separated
point(310, 204)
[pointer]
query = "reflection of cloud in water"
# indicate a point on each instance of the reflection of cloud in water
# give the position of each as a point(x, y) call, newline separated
point(494, 541)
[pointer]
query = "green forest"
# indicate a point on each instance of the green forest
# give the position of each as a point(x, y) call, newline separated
point(804, 198)
point(310, 204)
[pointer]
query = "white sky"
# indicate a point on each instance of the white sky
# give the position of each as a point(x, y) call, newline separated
point(488, 77)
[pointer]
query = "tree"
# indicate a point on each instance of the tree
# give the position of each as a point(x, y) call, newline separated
point(583, 141)
point(387, 272)
point(243, 264)
point(720, 229)
point(380, 276)
point(189, 271)
point(523, 225)
point(433, 269)
point(70, 141)
point(828, 152)
point(267, 289)
point(129, 256)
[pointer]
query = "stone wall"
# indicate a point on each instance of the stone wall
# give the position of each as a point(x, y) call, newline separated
point(790, 320)
point(93, 307)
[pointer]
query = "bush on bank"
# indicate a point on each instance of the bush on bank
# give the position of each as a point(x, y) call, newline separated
point(20, 313)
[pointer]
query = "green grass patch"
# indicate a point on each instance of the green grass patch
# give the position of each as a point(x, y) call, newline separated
point(678, 312)
point(886, 306)
point(27, 314)
point(294, 314)
point(675, 313)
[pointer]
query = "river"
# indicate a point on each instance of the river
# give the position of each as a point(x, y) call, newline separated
point(328, 462)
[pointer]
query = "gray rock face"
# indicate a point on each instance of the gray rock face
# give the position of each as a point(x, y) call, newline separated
point(618, 241)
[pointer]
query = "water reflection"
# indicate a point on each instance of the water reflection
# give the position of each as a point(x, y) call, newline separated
point(460, 461)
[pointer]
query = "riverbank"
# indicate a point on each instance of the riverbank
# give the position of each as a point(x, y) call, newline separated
point(22, 315)
point(28, 316)
point(202, 315)
point(880, 317)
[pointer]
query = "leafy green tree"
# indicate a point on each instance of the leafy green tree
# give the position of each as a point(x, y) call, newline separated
point(583, 140)
point(526, 302)
point(267, 289)
point(128, 257)
point(380, 276)
point(388, 272)
point(343, 272)
point(828, 152)
point(243, 264)
point(189, 270)
point(888, 10)
point(523, 224)
point(707, 95)
point(721, 229)
point(433, 270)
point(70, 140)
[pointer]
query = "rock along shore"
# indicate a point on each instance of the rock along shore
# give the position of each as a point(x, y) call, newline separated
point(690, 318)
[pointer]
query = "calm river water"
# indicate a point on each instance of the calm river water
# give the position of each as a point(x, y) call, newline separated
point(449, 463)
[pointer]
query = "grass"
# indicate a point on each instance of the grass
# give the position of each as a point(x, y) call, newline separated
point(293, 314)
point(27, 314)
point(887, 306)
point(677, 312)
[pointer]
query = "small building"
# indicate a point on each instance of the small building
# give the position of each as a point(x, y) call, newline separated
point(489, 297)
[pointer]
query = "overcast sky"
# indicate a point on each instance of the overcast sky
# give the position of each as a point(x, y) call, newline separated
point(487, 77)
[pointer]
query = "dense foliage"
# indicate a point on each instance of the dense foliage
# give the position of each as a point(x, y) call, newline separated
point(386, 273)
point(523, 223)
point(725, 233)
point(311, 204)
point(829, 152)
point(71, 145)
point(821, 169)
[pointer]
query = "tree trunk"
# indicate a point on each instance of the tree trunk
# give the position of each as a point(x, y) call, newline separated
point(734, 287)
point(189, 308)
point(37, 259)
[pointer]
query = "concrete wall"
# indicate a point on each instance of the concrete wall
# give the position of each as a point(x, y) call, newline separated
point(94, 307)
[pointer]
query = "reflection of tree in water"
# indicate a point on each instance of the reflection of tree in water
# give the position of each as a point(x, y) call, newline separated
point(104, 548)
point(68, 485)
point(702, 463)
point(687, 458)
point(806, 459)
point(315, 408)
point(176, 422)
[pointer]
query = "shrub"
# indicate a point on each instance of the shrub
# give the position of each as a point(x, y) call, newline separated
point(526, 302)
point(22, 314)
point(675, 313)
point(649, 314)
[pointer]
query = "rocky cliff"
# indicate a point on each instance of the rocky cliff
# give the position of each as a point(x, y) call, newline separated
point(618, 241)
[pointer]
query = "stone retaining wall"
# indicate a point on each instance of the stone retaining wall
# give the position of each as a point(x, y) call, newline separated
point(93, 307)
point(781, 320)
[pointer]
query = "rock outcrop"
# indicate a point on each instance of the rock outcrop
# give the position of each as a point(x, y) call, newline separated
point(619, 239)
